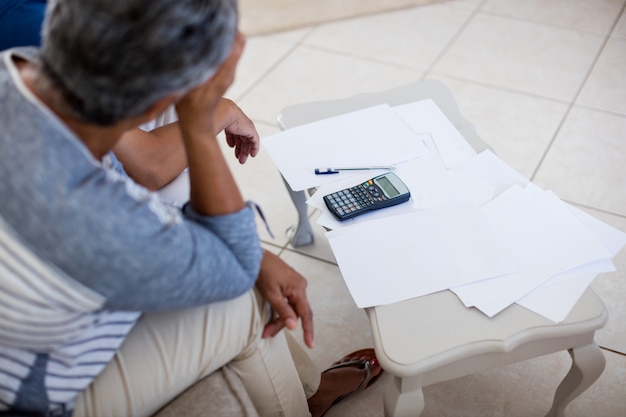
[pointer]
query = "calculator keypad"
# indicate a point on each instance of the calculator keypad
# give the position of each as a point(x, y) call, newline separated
point(354, 199)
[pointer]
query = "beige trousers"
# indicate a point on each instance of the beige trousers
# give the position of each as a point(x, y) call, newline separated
point(167, 352)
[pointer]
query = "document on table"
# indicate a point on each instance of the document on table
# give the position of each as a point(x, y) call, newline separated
point(493, 170)
point(543, 235)
point(612, 238)
point(425, 116)
point(374, 136)
point(556, 297)
point(400, 257)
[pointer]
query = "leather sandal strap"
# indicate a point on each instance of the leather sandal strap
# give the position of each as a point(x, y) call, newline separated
point(363, 364)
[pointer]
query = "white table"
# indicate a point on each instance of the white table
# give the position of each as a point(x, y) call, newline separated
point(435, 338)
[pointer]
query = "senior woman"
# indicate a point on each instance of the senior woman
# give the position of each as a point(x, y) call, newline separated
point(112, 302)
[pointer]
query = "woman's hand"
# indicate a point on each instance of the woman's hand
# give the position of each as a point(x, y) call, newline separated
point(241, 134)
point(197, 109)
point(285, 290)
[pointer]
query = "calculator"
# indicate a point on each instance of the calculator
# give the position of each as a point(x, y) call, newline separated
point(382, 191)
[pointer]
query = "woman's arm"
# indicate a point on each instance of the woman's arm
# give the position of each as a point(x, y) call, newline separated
point(154, 159)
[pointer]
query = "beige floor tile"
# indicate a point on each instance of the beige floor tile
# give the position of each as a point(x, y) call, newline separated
point(321, 247)
point(411, 37)
point(466, 4)
point(535, 58)
point(593, 16)
point(606, 86)
point(519, 127)
point(259, 55)
point(272, 248)
point(620, 28)
point(308, 74)
point(290, 36)
point(585, 165)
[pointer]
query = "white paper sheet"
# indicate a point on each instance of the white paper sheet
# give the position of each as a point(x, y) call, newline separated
point(425, 116)
point(432, 185)
point(370, 137)
point(491, 169)
point(544, 236)
point(405, 256)
point(612, 238)
point(556, 297)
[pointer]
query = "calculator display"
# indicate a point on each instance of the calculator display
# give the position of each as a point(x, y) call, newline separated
point(387, 187)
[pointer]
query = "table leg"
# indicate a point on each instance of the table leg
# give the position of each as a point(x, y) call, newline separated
point(302, 232)
point(587, 365)
point(404, 397)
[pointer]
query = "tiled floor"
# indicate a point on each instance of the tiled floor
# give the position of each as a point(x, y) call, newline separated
point(544, 81)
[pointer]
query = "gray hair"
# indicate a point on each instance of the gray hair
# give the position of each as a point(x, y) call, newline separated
point(113, 59)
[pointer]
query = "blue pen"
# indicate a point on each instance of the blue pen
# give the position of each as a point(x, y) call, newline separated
point(326, 171)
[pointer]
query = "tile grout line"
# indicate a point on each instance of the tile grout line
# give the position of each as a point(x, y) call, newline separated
point(541, 23)
point(617, 352)
point(599, 110)
point(456, 36)
point(595, 209)
point(313, 257)
point(361, 57)
point(279, 61)
point(580, 88)
point(507, 89)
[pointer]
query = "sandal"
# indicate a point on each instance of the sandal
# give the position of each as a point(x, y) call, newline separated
point(363, 359)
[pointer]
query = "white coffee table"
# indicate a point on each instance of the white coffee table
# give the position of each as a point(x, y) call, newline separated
point(435, 338)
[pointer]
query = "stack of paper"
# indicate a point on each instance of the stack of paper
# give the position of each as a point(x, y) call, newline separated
point(545, 237)
point(474, 225)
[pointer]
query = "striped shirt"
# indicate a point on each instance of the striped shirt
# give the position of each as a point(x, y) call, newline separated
point(84, 250)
